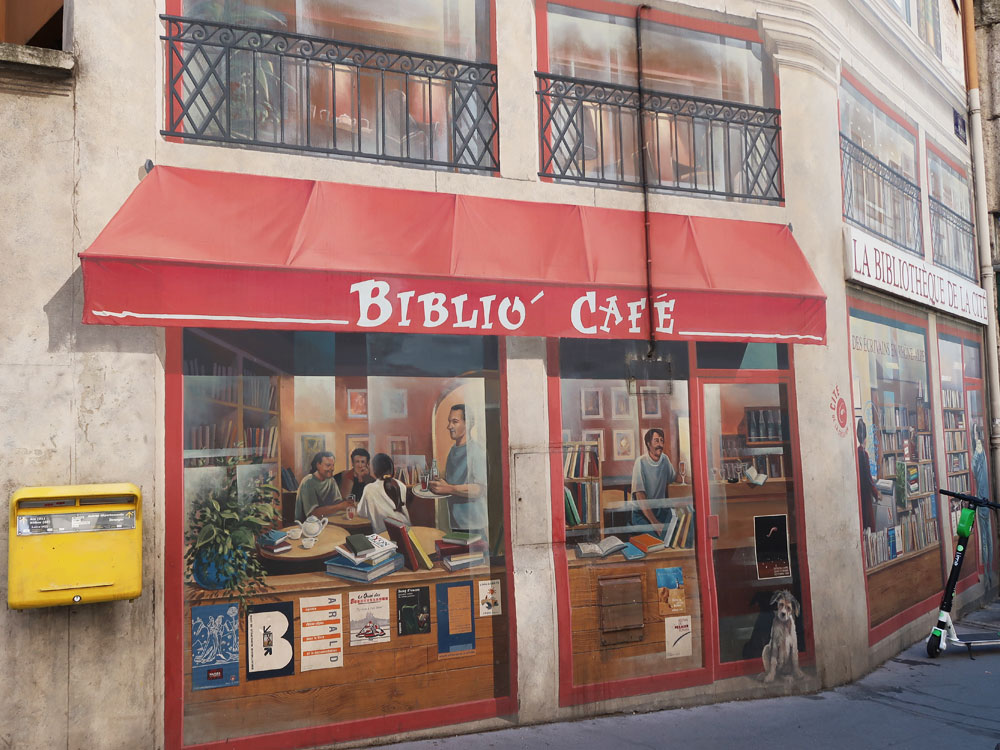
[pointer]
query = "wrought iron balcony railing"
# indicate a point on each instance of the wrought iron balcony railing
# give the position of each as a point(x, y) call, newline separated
point(590, 133)
point(953, 240)
point(276, 90)
point(880, 199)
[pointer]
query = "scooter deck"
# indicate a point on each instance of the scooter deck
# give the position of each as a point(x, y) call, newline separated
point(972, 639)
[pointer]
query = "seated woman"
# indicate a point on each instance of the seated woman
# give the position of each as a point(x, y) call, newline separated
point(383, 498)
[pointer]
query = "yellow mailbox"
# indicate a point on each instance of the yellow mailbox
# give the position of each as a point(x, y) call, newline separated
point(75, 544)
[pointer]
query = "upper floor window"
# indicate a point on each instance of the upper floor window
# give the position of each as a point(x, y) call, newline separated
point(36, 23)
point(314, 75)
point(878, 167)
point(924, 17)
point(952, 237)
point(693, 72)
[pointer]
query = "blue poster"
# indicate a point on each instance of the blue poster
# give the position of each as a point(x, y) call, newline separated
point(215, 646)
point(455, 621)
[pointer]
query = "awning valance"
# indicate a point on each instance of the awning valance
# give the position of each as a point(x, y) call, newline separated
point(199, 248)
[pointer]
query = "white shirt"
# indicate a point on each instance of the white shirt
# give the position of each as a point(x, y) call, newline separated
point(377, 506)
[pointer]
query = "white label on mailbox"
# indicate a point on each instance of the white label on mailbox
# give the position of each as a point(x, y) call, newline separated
point(68, 523)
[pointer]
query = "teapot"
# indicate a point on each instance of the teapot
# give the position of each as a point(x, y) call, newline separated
point(313, 526)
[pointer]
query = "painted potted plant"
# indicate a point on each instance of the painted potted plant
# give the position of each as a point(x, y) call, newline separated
point(222, 534)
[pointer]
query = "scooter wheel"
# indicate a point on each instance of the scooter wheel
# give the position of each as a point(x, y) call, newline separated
point(933, 645)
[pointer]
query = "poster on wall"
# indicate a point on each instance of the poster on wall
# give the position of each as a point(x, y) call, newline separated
point(308, 445)
point(489, 598)
point(321, 632)
point(678, 636)
point(455, 624)
point(413, 611)
point(771, 550)
point(670, 591)
point(215, 646)
point(369, 613)
point(269, 640)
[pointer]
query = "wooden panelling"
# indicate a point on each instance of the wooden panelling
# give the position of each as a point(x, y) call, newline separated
point(894, 587)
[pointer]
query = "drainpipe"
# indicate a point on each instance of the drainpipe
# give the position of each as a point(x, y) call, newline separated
point(644, 179)
point(988, 279)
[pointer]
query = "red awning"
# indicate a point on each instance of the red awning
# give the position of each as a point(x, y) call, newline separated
point(197, 248)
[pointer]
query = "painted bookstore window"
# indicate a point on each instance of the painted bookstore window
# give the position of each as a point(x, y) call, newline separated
point(633, 516)
point(343, 509)
point(630, 514)
point(963, 418)
point(688, 149)
point(894, 440)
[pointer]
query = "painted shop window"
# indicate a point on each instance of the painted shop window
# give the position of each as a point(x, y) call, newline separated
point(965, 436)
point(924, 17)
point(627, 500)
point(590, 121)
point(895, 449)
point(344, 545)
point(952, 237)
point(878, 170)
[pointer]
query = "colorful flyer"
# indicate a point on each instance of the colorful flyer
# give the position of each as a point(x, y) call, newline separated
point(770, 534)
point(269, 640)
point(678, 636)
point(369, 613)
point(489, 598)
point(455, 625)
point(670, 591)
point(215, 646)
point(413, 611)
point(321, 632)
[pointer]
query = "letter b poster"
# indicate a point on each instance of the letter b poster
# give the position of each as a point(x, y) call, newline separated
point(269, 640)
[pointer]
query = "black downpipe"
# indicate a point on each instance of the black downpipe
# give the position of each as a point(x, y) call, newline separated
point(643, 178)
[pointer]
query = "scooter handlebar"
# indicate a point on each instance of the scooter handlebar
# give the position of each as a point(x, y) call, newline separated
point(976, 502)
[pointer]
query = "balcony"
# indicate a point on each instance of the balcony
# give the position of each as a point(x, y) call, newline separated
point(953, 240)
point(273, 90)
point(880, 199)
point(590, 134)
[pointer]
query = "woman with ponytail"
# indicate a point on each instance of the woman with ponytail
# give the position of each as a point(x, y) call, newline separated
point(383, 498)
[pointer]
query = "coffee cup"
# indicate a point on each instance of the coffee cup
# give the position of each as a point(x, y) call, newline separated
point(294, 533)
point(308, 542)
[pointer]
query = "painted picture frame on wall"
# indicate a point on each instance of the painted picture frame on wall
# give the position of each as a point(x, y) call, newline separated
point(624, 445)
point(399, 445)
point(621, 404)
point(308, 445)
point(591, 406)
point(357, 403)
point(595, 436)
point(649, 402)
point(354, 442)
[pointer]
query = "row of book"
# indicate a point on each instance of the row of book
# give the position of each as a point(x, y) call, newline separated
point(892, 441)
point(959, 483)
point(581, 502)
point(914, 531)
point(288, 480)
point(580, 461)
point(925, 447)
point(958, 461)
point(679, 530)
point(258, 441)
point(895, 417)
point(951, 398)
point(954, 441)
point(213, 381)
point(260, 392)
point(953, 420)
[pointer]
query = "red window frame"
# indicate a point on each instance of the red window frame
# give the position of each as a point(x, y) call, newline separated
point(173, 600)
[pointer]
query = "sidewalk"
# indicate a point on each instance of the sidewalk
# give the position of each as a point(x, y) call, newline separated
point(910, 702)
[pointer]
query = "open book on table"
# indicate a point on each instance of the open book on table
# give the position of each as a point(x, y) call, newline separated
point(602, 548)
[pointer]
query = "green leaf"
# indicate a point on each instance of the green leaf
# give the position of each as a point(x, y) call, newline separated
point(207, 534)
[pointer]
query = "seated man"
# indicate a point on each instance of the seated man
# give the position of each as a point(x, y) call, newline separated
point(352, 481)
point(650, 476)
point(318, 491)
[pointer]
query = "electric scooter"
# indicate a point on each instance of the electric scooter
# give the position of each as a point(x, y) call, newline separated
point(943, 632)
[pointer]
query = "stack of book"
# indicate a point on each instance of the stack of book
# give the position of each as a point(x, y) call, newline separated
point(459, 550)
point(342, 567)
point(274, 542)
point(368, 549)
